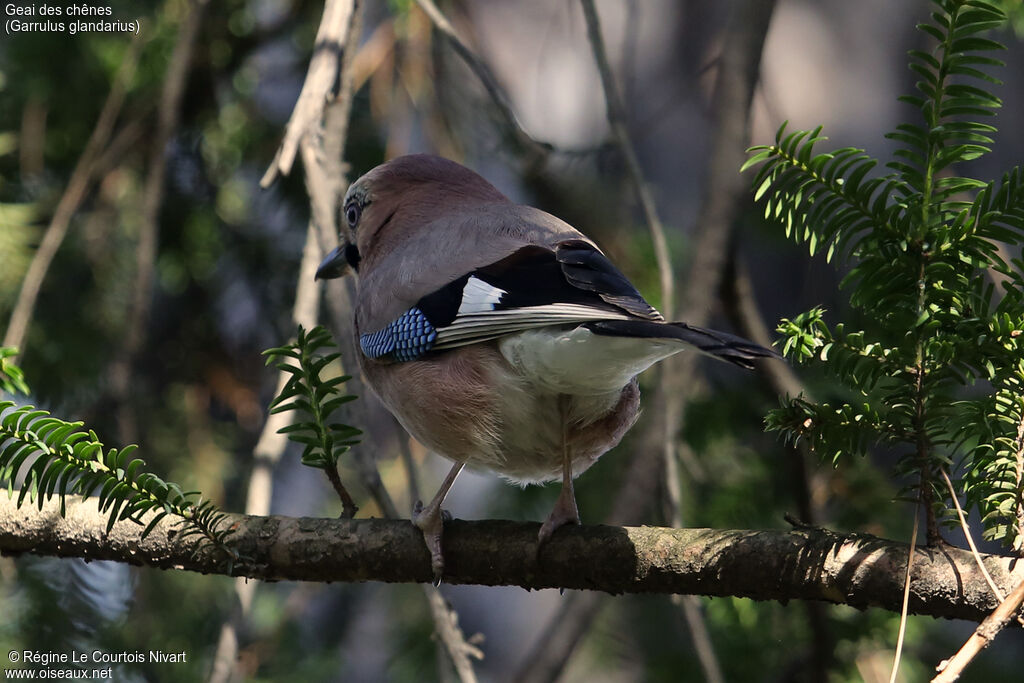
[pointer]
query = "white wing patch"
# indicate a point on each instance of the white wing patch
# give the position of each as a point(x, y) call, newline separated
point(479, 297)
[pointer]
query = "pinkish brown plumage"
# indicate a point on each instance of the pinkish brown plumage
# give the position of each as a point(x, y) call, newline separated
point(491, 419)
point(498, 335)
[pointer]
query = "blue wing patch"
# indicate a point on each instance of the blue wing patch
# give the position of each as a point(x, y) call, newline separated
point(407, 338)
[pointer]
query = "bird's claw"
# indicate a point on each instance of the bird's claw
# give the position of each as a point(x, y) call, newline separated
point(430, 522)
point(564, 512)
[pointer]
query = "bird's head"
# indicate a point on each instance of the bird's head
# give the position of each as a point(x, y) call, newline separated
point(393, 200)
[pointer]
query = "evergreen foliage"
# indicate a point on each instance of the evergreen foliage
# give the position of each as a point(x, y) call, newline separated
point(306, 392)
point(42, 457)
point(932, 270)
point(12, 378)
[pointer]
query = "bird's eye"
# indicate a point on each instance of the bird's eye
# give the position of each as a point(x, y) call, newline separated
point(352, 212)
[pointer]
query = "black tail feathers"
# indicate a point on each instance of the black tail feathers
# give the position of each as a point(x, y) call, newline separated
point(727, 347)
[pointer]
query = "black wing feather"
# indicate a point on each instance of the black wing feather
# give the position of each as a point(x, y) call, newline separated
point(534, 286)
point(574, 273)
point(587, 268)
point(532, 276)
point(442, 306)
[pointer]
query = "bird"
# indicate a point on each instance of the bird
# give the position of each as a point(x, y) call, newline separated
point(498, 335)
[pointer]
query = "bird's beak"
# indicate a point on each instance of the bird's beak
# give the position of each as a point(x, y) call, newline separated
point(335, 264)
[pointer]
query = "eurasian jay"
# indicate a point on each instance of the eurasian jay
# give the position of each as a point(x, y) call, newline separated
point(500, 336)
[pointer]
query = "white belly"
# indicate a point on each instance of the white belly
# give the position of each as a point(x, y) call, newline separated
point(578, 362)
point(590, 373)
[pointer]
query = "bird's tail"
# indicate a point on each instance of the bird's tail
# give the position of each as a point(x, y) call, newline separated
point(721, 345)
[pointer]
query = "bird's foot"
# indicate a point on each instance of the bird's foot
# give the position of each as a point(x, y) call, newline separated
point(430, 521)
point(564, 512)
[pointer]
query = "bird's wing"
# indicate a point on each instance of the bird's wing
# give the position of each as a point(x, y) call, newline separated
point(535, 286)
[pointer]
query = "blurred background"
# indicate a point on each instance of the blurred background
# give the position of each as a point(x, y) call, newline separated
point(177, 270)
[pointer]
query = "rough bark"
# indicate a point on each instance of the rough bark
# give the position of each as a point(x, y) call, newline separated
point(810, 564)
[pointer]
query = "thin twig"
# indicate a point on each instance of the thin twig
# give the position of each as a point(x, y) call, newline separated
point(950, 669)
point(168, 115)
point(409, 464)
point(741, 306)
point(690, 605)
point(535, 152)
point(446, 619)
point(32, 137)
point(616, 114)
point(305, 311)
point(906, 596)
point(617, 120)
point(693, 615)
point(317, 89)
point(736, 81)
point(554, 645)
point(970, 540)
point(1019, 484)
point(348, 506)
point(459, 648)
point(121, 143)
point(733, 93)
point(78, 185)
point(374, 53)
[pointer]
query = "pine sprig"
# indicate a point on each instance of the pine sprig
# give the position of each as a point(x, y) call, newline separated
point(55, 458)
point(825, 199)
point(925, 261)
point(12, 379)
point(316, 399)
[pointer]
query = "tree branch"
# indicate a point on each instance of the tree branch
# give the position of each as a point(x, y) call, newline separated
point(74, 194)
point(168, 118)
point(810, 564)
point(318, 128)
point(616, 113)
point(734, 89)
point(951, 669)
point(535, 152)
point(318, 87)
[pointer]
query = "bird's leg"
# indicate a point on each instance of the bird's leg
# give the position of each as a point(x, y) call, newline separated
point(565, 510)
point(430, 520)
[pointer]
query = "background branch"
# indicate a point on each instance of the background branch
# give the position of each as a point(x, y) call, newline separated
point(535, 153)
point(317, 89)
point(617, 121)
point(951, 669)
point(168, 116)
point(74, 194)
point(726, 190)
point(267, 453)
